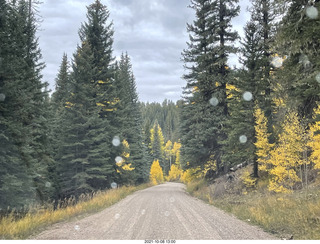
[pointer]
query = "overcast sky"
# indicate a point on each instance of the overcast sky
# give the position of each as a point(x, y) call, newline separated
point(153, 32)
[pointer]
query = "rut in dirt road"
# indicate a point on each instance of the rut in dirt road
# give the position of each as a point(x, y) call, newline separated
point(161, 212)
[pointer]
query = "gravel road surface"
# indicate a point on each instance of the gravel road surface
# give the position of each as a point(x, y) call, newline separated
point(161, 212)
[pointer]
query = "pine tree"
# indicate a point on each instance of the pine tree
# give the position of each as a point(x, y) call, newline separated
point(72, 152)
point(157, 146)
point(241, 99)
point(129, 117)
point(86, 156)
point(125, 167)
point(298, 41)
point(168, 152)
point(85, 162)
point(63, 86)
point(23, 109)
point(205, 109)
point(98, 32)
point(263, 14)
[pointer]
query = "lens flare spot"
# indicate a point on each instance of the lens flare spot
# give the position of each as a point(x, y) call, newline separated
point(318, 77)
point(277, 62)
point(304, 60)
point(116, 141)
point(214, 101)
point(48, 184)
point(243, 139)
point(2, 97)
point(312, 12)
point(118, 160)
point(247, 96)
point(114, 185)
point(77, 227)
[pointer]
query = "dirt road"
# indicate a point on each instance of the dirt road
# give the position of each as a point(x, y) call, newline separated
point(161, 212)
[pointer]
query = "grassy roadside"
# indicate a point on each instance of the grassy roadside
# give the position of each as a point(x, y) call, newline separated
point(12, 229)
point(295, 215)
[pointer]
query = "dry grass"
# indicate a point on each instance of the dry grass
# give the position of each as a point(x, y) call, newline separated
point(200, 189)
point(294, 215)
point(13, 229)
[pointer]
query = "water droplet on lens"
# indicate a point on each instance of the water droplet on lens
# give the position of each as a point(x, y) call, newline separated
point(114, 185)
point(312, 12)
point(48, 184)
point(243, 139)
point(277, 62)
point(143, 211)
point(304, 60)
point(2, 97)
point(214, 101)
point(116, 141)
point(166, 213)
point(118, 159)
point(77, 227)
point(247, 96)
point(117, 216)
point(318, 77)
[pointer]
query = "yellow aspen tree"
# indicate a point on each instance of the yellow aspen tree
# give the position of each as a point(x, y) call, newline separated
point(175, 173)
point(168, 153)
point(176, 152)
point(191, 174)
point(263, 147)
point(210, 165)
point(156, 173)
point(314, 139)
point(287, 156)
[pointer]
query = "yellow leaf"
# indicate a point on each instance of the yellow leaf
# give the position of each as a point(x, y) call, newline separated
point(102, 82)
point(100, 104)
point(127, 167)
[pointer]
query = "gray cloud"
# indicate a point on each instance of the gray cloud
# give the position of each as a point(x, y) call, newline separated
point(152, 32)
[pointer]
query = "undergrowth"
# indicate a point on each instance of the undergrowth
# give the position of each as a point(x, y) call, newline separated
point(288, 216)
point(12, 228)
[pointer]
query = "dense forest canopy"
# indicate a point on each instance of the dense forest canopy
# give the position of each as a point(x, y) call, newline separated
point(93, 133)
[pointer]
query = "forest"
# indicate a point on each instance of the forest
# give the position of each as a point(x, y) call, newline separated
point(92, 133)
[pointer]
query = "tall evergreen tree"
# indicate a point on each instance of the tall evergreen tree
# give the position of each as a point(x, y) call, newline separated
point(205, 109)
point(241, 102)
point(23, 111)
point(98, 33)
point(157, 145)
point(129, 118)
point(63, 86)
point(86, 158)
point(59, 100)
point(263, 15)
point(85, 162)
point(298, 41)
